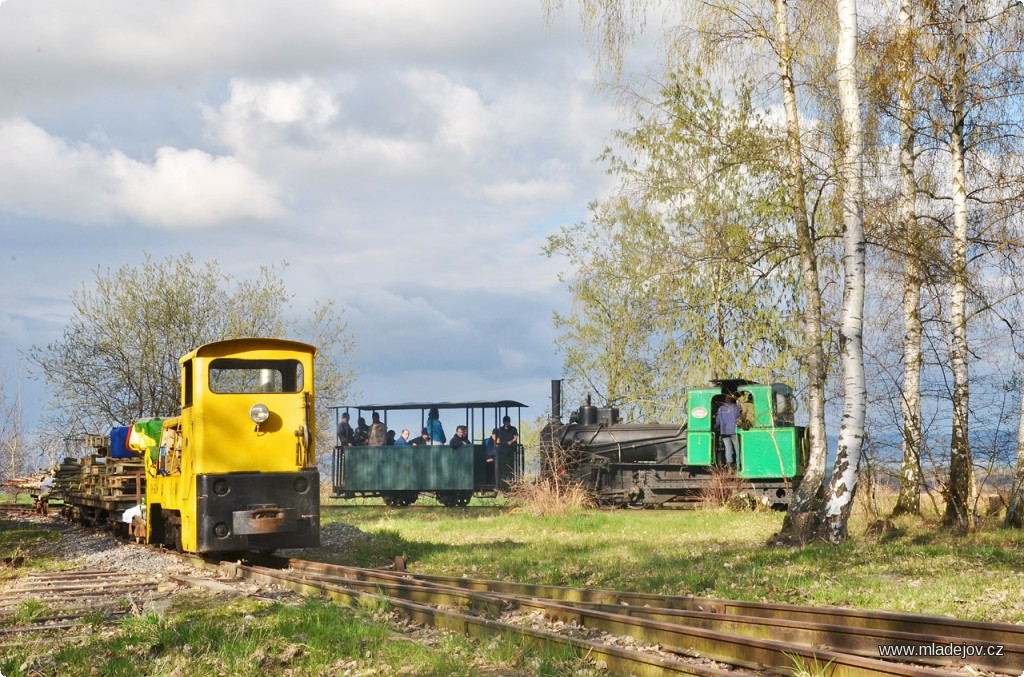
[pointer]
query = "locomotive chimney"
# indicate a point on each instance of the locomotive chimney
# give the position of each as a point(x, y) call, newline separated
point(556, 400)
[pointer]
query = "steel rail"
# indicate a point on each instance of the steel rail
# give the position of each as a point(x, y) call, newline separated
point(862, 641)
point(892, 621)
point(845, 639)
point(747, 652)
point(617, 659)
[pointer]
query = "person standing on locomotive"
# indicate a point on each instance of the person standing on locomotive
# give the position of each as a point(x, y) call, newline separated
point(346, 435)
point(434, 427)
point(725, 419)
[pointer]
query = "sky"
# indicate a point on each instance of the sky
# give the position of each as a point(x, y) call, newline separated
point(407, 159)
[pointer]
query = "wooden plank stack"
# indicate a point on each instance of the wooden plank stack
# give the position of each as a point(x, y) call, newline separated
point(108, 479)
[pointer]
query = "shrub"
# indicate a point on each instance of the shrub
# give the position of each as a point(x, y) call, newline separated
point(552, 495)
point(725, 488)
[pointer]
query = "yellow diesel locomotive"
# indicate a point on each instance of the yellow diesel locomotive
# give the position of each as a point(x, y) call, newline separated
point(234, 471)
point(237, 469)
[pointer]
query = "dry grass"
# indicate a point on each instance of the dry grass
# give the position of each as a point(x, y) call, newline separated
point(723, 489)
point(550, 496)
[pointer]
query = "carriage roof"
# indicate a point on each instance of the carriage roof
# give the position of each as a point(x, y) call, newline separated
point(417, 406)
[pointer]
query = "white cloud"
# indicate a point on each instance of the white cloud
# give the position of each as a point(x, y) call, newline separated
point(285, 110)
point(407, 159)
point(466, 123)
point(43, 176)
point(191, 189)
point(511, 191)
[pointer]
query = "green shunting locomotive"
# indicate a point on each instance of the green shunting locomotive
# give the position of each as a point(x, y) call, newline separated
point(651, 464)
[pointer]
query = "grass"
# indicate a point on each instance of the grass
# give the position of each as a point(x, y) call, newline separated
point(23, 539)
point(913, 566)
point(251, 638)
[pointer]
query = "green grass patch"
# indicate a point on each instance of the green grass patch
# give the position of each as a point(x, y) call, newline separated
point(24, 539)
point(708, 552)
point(249, 638)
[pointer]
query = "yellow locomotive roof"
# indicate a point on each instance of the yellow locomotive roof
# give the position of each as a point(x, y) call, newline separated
point(240, 345)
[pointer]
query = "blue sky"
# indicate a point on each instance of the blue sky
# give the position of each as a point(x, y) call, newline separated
point(405, 158)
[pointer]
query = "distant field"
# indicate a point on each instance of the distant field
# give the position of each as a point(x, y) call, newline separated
point(714, 553)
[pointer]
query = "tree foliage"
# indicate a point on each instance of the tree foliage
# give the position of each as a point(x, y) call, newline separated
point(13, 442)
point(117, 359)
point(686, 272)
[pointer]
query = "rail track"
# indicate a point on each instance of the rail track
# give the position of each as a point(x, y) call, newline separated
point(669, 635)
point(631, 633)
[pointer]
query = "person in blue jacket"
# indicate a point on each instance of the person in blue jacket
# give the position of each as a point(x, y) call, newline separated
point(725, 419)
point(434, 427)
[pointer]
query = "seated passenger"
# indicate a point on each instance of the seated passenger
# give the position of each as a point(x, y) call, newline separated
point(421, 441)
point(461, 437)
point(403, 439)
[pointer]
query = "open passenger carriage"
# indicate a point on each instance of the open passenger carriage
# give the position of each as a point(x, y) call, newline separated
point(400, 474)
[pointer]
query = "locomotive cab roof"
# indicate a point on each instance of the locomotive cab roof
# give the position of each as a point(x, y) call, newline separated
point(731, 384)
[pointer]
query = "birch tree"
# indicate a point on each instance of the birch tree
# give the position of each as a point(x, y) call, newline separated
point(12, 433)
point(803, 504)
point(960, 491)
point(762, 28)
point(909, 497)
point(843, 484)
point(1015, 507)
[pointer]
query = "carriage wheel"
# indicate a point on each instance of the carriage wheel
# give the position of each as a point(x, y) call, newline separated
point(407, 498)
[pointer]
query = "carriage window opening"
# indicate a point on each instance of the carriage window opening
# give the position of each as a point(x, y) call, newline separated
point(231, 375)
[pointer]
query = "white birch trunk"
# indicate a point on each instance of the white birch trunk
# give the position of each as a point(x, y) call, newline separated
point(909, 499)
point(803, 500)
point(960, 490)
point(843, 484)
point(1015, 510)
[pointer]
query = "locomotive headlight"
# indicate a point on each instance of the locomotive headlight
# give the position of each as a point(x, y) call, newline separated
point(259, 413)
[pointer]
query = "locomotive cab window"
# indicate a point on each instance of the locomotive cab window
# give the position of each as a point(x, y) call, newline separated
point(784, 403)
point(256, 376)
point(187, 387)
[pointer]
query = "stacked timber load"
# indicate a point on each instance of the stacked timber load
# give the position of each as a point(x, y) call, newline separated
point(89, 480)
point(113, 479)
point(123, 479)
point(29, 483)
point(111, 473)
point(68, 476)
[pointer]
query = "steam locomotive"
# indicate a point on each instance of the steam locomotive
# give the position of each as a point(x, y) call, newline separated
point(640, 465)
